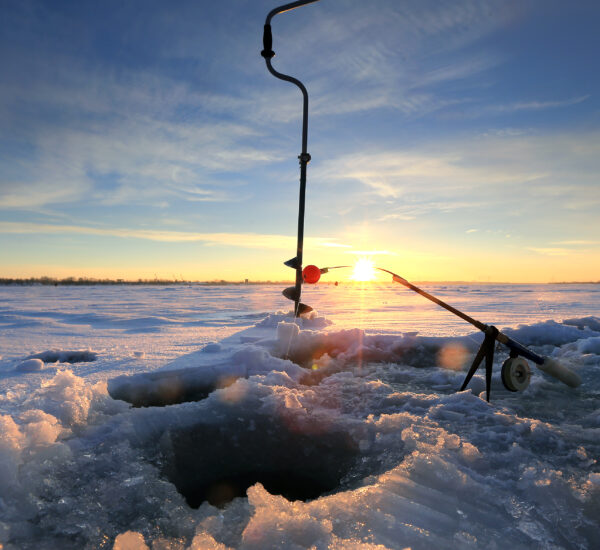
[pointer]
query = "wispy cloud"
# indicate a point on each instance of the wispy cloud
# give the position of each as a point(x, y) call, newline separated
point(335, 245)
point(397, 216)
point(535, 105)
point(417, 207)
point(395, 174)
point(124, 129)
point(156, 137)
point(371, 253)
point(391, 57)
point(49, 184)
point(469, 170)
point(460, 69)
point(551, 251)
point(243, 240)
point(577, 243)
point(486, 183)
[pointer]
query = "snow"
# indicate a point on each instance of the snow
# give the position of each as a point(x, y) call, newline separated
point(364, 425)
point(30, 365)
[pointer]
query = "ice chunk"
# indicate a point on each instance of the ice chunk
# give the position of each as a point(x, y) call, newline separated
point(212, 347)
point(162, 388)
point(30, 365)
point(589, 345)
point(67, 397)
point(592, 323)
point(11, 444)
point(203, 541)
point(549, 332)
point(130, 540)
point(286, 335)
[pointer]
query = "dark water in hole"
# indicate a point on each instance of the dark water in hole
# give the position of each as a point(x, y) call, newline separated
point(288, 484)
point(216, 463)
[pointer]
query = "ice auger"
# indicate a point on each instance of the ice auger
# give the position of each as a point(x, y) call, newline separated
point(292, 292)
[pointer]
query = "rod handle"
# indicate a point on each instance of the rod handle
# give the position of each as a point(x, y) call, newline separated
point(267, 52)
point(560, 372)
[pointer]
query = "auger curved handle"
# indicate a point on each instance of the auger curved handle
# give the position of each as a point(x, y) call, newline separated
point(287, 7)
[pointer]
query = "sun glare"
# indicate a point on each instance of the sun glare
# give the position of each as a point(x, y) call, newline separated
point(364, 270)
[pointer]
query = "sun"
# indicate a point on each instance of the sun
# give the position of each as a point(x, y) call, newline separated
point(364, 270)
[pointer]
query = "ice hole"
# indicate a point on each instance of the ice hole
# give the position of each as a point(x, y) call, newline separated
point(60, 356)
point(172, 387)
point(217, 463)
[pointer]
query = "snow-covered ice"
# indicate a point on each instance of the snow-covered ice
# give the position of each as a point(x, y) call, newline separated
point(343, 430)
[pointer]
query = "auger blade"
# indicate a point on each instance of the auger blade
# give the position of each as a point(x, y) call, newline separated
point(303, 308)
point(291, 293)
point(293, 263)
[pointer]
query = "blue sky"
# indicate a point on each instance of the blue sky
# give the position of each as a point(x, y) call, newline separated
point(452, 140)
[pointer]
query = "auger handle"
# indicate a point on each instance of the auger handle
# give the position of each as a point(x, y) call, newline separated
point(287, 7)
point(267, 52)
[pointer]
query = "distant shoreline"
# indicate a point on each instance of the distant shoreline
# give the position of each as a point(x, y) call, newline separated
point(85, 281)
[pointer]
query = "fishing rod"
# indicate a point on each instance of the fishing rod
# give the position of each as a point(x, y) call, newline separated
point(292, 293)
point(515, 371)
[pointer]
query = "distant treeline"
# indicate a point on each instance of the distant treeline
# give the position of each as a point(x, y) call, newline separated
point(76, 281)
point(81, 281)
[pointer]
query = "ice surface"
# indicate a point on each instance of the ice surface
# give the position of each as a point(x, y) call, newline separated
point(326, 433)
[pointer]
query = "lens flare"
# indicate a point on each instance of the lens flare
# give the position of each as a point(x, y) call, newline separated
point(364, 270)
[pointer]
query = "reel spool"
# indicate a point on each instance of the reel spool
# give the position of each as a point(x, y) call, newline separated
point(515, 374)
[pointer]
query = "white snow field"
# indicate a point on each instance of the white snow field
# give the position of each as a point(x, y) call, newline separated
point(341, 431)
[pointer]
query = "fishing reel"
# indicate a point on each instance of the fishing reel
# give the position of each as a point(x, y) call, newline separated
point(515, 374)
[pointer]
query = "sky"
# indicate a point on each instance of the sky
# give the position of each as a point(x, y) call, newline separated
point(450, 140)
